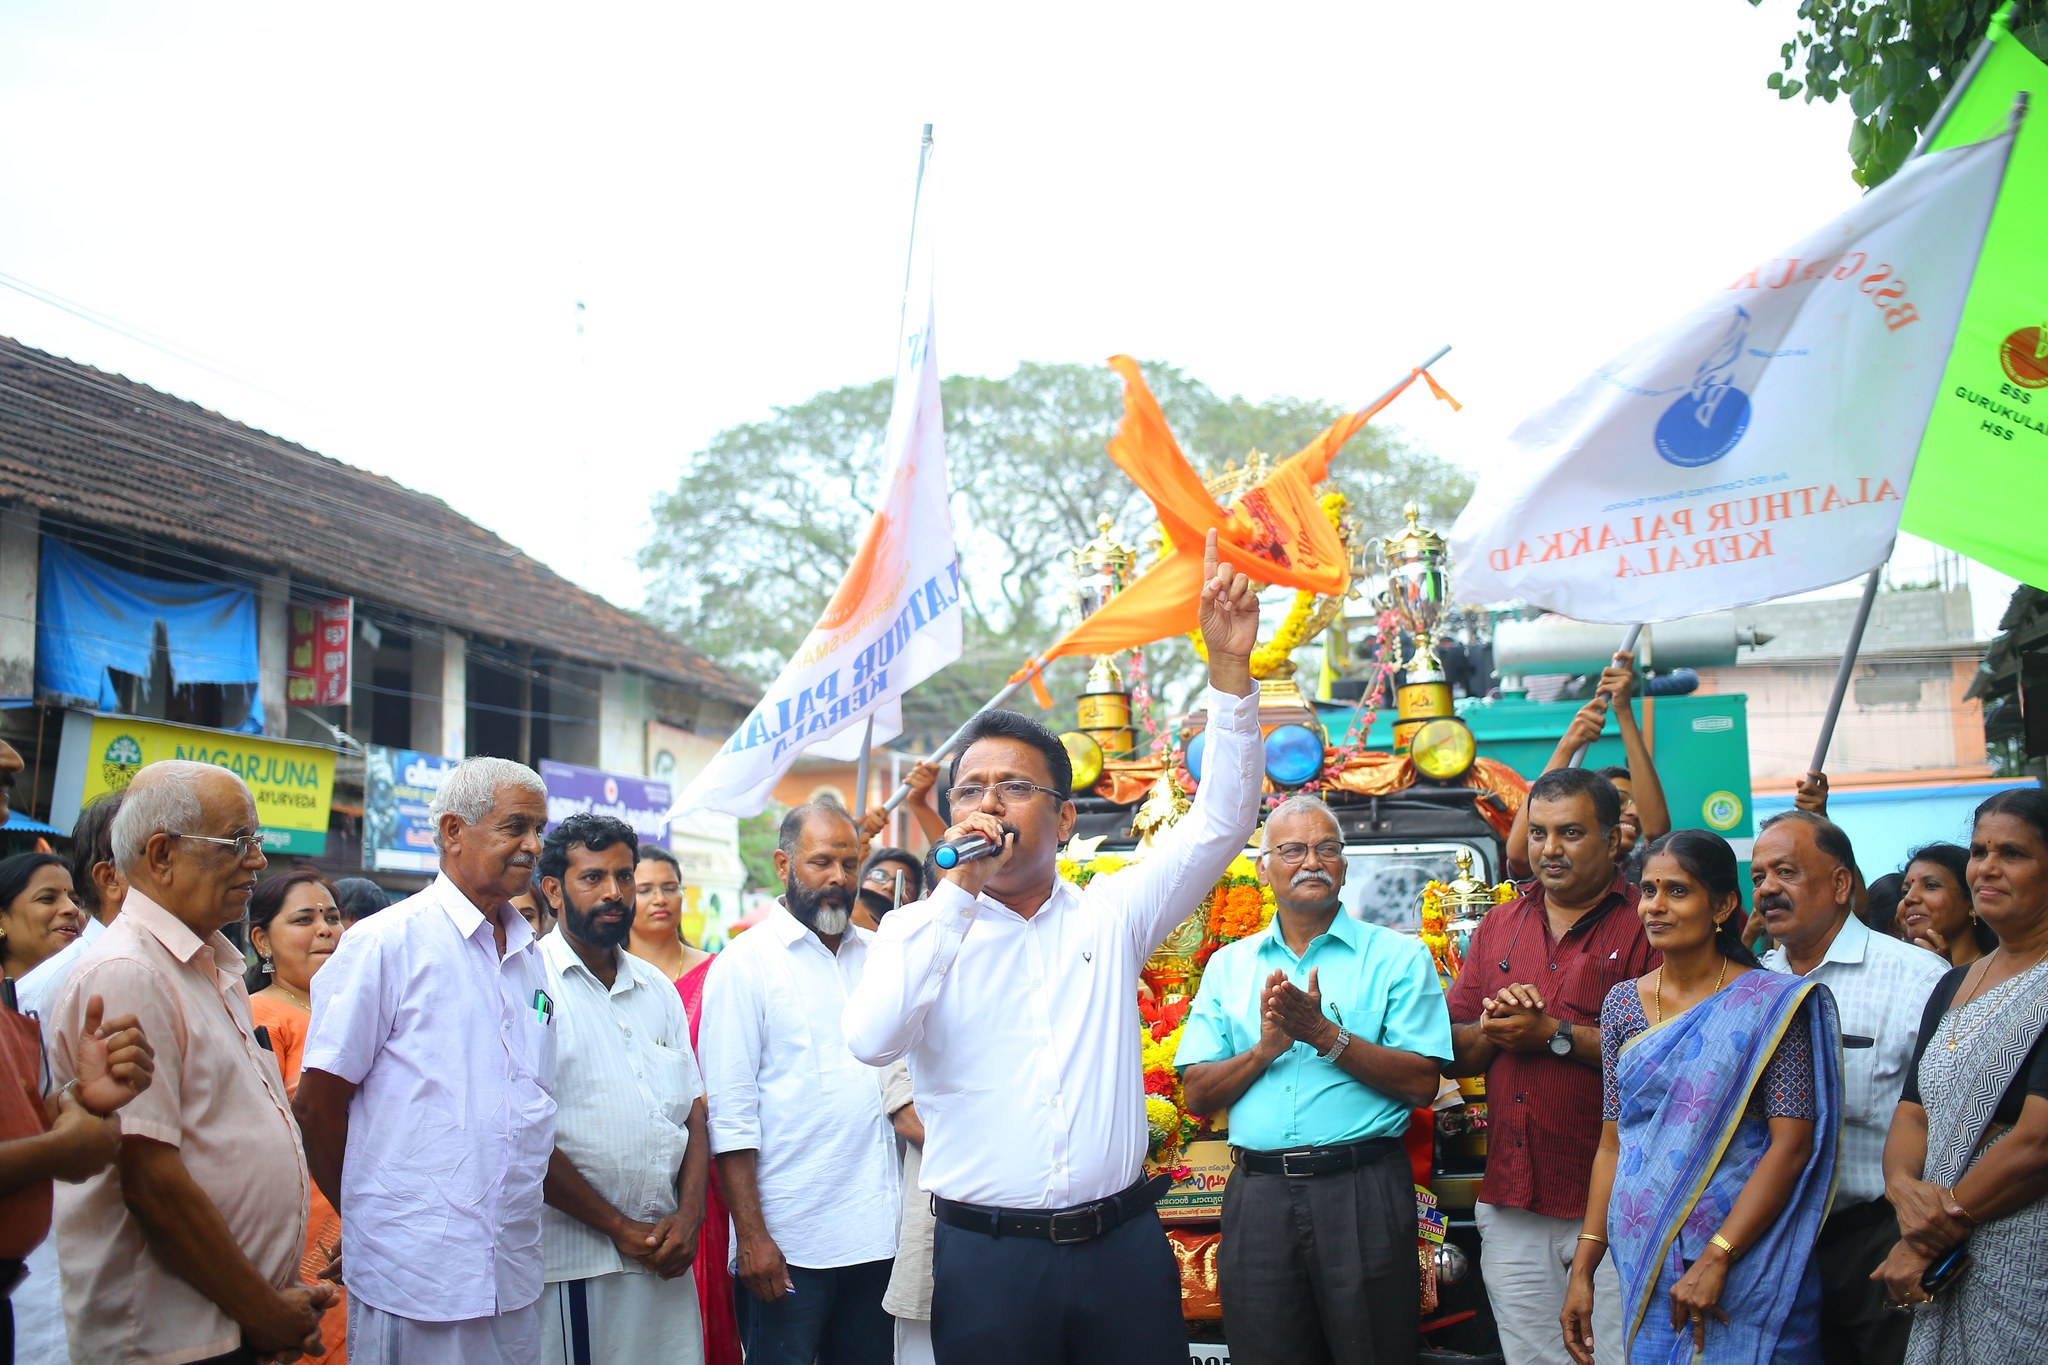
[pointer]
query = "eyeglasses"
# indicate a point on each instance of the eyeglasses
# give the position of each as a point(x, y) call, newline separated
point(1294, 855)
point(243, 845)
point(1006, 792)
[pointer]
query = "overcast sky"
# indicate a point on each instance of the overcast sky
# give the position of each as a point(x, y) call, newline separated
point(380, 219)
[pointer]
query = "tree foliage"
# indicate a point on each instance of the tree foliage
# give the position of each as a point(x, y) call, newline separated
point(750, 544)
point(1896, 60)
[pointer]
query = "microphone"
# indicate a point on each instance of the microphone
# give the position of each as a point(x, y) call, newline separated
point(950, 853)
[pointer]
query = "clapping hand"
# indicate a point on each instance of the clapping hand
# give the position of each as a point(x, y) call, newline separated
point(1513, 1019)
point(1299, 1013)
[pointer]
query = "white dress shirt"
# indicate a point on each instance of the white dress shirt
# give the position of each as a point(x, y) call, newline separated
point(1880, 986)
point(624, 1084)
point(783, 1084)
point(452, 1050)
point(1022, 1034)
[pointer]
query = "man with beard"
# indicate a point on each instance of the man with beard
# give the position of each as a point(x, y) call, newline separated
point(1804, 874)
point(1320, 1035)
point(806, 1156)
point(1525, 1013)
point(625, 1187)
point(423, 1094)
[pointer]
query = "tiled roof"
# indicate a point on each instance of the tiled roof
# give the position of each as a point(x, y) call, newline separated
point(104, 450)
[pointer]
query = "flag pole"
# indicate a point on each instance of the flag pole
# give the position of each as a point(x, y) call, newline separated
point(1628, 646)
point(860, 769)
point(1999, 27)
point(867, 743)
point(1031, 670)
point(1835, 698)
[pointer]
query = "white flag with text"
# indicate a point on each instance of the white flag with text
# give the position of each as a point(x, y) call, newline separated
point(1760, 445)
point(895, 619)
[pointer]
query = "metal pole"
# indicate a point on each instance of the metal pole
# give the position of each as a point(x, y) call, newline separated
point(991, 704)
point(924, 155)
point(860, 768)
point(1628, 646)
point(1999, 27)
point(1442, 351)
point(1841, 692)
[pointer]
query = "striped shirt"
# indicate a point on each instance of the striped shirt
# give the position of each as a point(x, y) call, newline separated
point(1880, 986)
point(624, 1083)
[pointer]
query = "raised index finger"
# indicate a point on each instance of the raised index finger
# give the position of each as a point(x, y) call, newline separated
point(1209, 556)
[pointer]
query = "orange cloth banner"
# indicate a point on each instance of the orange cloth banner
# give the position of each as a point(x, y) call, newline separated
point(1275, 532)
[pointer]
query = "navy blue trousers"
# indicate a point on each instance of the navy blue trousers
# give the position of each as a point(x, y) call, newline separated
point(1114, 1300)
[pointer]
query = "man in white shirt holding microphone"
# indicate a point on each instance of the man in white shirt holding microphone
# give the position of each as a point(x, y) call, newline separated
point(1014, 996)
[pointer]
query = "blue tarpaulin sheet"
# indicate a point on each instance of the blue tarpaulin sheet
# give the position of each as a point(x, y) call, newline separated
point(92, 617)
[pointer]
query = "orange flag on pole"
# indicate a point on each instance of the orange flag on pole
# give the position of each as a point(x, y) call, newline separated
point(1275, 532)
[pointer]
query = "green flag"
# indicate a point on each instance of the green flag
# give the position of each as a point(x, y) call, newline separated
point(1980, 485)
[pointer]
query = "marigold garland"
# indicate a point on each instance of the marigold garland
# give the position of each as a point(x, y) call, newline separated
point(1237, 906)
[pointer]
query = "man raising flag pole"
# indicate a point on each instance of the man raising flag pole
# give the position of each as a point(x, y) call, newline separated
point(895, 619)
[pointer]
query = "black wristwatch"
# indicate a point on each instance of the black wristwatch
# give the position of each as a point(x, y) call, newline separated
point(1561, 1041)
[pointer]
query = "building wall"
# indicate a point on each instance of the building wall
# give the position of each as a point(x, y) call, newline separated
point(1904, 713)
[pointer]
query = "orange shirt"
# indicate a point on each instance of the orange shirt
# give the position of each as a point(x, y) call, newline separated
point(286, 1024)
point(25, 1213)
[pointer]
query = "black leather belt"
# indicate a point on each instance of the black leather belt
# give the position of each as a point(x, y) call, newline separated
point(1062, 1227)
point(1306, 1161)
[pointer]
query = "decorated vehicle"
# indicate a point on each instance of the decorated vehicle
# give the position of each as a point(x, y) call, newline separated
point(1425, 790)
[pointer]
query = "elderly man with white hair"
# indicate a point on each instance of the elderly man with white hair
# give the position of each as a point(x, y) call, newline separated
point(188, 1248)
point(424, 1093)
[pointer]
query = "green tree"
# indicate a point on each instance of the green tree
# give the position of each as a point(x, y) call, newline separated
point(749, 546)
point(1896, 60)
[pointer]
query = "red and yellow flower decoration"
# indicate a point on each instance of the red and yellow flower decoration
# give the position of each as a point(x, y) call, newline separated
point(1236, 907)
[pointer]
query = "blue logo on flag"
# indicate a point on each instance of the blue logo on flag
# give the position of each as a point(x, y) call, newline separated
point(1707, 421)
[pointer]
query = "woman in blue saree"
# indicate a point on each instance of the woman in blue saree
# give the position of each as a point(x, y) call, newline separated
point(1716, 1165)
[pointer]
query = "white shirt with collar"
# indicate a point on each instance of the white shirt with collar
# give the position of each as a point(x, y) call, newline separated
point(1880, 985)
point(1022, 1034)
point(624, 1084)
point(784, 1085)
point(452, 1051)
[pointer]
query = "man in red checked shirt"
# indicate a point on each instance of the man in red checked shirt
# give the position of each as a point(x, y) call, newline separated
point(1525, 1013)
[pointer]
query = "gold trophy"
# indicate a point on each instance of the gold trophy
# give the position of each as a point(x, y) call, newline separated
point(1418, 590)
point(1102, 568)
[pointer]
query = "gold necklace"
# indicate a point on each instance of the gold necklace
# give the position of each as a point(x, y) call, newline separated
point(301, 1001)
point(1955, 1010)
point(1719, 978)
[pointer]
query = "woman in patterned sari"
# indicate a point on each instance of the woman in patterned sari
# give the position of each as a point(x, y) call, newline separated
point(1717, 1161)
point(1966, 1163)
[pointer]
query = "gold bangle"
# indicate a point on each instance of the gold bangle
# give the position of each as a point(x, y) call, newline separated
point(1726, 1246)
point(1592, 1237)
point(1956, 1209)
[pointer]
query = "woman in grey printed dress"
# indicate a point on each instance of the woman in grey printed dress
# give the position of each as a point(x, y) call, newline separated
point(1966, 1164)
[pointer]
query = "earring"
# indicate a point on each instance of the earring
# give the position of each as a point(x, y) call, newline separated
point(1973, 914)
point(267, 968)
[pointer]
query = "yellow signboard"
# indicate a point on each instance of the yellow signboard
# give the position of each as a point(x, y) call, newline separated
point(292, 783)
